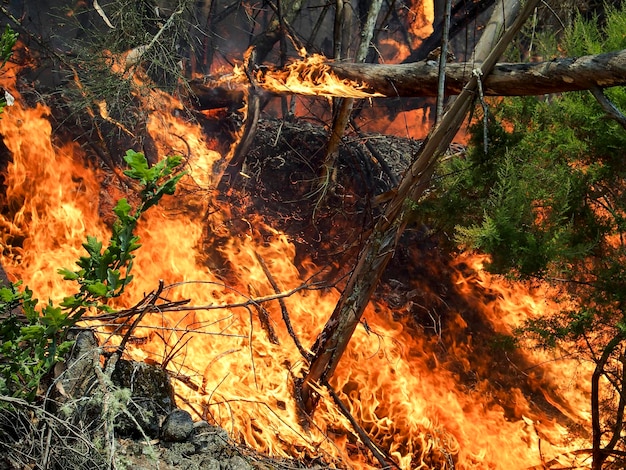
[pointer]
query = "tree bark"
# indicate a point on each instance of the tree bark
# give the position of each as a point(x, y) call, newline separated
point(539, 78)
point(420, 78)
point(600, 454)
point(379, 248)
point(342, 117)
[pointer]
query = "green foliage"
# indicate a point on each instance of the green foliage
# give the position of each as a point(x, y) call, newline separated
point(549, 197)
point(131, 39)
point(32, 339)
point(7, 42)
point(586, 37)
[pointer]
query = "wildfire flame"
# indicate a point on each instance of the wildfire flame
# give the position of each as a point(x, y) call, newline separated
point(399, 385)
point(309, 76)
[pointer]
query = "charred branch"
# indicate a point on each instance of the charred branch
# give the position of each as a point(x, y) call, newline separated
point(393, 177)
point(283, 308)
point(600, 454)
point(385, 460)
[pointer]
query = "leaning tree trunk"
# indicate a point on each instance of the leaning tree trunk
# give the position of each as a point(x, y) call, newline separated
point(598, 453)
point(342, 116)
point(379, 248)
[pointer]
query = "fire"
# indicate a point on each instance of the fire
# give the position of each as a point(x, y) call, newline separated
point(310, 76)
point(425, 398)
point(422, 19)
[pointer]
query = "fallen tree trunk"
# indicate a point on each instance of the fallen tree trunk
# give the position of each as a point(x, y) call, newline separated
point(420, 78)
point(539, 78)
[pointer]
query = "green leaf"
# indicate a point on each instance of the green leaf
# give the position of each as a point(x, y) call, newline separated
point(139, 169)
point(93, 246)
point(113, 278)
point(54, 317)
point(105, 308)
point(7, 41)
point(122, 209)
point(7, 295)
point(67, 274)
point(71, 302)
point(32, 332)
point(98, 289)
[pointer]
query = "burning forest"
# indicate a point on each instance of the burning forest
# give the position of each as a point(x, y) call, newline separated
point(272, 245)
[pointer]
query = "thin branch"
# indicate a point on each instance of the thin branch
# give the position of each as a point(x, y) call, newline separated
point(141, 50)
point(384, 460)
point(181, 305)
point(608, 106)
point(264, 318)
point(377, 156)
point(283, 308)
point(441, 82)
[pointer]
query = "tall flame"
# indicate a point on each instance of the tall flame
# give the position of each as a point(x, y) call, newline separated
point(403, 385)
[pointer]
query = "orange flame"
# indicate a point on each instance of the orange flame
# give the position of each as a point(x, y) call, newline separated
point(310, 76)
point(399, 382)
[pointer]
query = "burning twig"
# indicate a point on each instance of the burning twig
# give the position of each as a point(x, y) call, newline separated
point(252, 110)
point(250, 340)
point(264, 318)
point(283, 308)
point(181, 307)
point(151, 301)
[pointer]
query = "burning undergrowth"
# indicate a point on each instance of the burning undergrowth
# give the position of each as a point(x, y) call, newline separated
point(424, 375)
point(425, 288)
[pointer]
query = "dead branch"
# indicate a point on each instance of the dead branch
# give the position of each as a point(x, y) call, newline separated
point(264, 318)
point(253, 111)
point(283, 308)
point(148, 304)
point(380, 245)
point(376, 155)
point(607, 105)
point(506, 79)
point(182, 305)
point(344, 111)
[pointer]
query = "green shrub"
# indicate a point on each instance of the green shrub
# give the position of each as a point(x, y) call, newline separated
point(32, 338)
